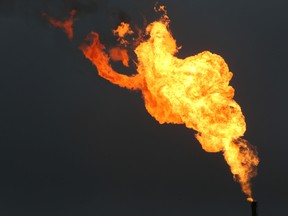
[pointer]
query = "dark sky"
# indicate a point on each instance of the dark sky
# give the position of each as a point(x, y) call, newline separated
point(74, 144)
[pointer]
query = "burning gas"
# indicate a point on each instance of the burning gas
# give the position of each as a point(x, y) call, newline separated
point(66, 25)
point(193, 91)
point(122, 30)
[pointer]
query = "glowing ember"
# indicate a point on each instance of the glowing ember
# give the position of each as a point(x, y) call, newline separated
point(65, 25)
point(193, 91)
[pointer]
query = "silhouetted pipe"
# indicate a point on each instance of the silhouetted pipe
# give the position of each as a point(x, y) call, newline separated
point(254, 208)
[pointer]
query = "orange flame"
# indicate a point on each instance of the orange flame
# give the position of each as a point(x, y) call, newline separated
point(118, 54)
point(193, 91)
point(122, 30)
point(66, 25)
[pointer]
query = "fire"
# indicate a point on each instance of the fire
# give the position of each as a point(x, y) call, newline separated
point(122, 30)
point(66, 25)
point(194, 91)
point(95, 52)
point(118, 54)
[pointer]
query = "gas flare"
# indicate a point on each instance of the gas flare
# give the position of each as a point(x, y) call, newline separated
point(193, 91)
point(66, 25)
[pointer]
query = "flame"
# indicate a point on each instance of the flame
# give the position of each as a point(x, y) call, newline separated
point(250, 199)
point(118, 54)
point(95, 53)
point(194, 91)
point(122, 30)
point(66, 25)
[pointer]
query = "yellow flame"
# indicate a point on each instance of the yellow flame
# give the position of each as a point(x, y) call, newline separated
point(250, 199)
point(194, 91)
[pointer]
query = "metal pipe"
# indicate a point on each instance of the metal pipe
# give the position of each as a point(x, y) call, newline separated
point(254, 208)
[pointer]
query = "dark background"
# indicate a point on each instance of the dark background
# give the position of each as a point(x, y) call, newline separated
point(71, 143)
